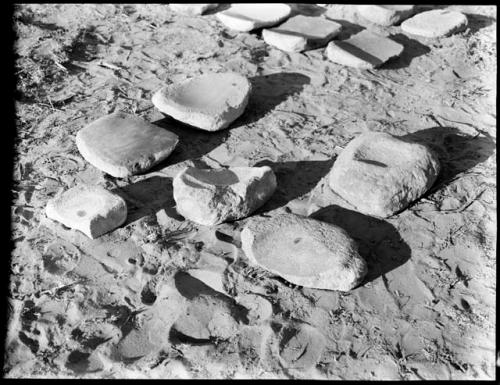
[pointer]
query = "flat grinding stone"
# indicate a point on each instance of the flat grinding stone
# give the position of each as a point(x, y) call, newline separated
point(213, 196)
point(381, 174)
point(386, 15)
point(301, 32)
point(304, 251)
point(121, 144)
point(365, 50)
point(209, 102)
point(91, 209)
point(192, 9)
point(435, 23)
point(246, 17)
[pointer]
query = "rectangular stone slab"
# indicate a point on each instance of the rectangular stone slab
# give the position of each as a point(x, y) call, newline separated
point(121, 144)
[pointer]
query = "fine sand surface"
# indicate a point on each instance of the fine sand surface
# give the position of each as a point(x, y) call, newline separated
point(91, 308)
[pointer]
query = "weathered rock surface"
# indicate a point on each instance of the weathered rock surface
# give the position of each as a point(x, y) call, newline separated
point(365, 50)
point(212, 196)
point(91, 209)
point(121, 144)
point(381, 174)
point(246, 17)
point(192, 9)
point(386, 15)
point(301, 347)
point(302, 32)
point(435, 23)
point(304, 251)
point(209, 102)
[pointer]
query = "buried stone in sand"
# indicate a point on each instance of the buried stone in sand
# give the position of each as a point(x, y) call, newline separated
point(386, 15)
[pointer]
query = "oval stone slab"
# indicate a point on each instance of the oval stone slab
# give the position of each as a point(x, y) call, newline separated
point(213, 196)
point(380, 174)
point(246, 17)
point(301, 32)
point(304, 251)
point(365, 50)
point(435, 23)
point(386, 15)
point(209, 102)
point(91, 209)
point(121, 144)
point(192, 9)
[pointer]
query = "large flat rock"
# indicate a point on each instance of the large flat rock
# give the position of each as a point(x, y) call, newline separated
point(380, 174)
point(209, 102)
point(301, 32)
point(122, 145)
point(304, 251)
point(192, 9)
point(364, 50)
point(435, 23)
point(246, 17)
point(212, 196)
point(91, 209)
point(386, 15)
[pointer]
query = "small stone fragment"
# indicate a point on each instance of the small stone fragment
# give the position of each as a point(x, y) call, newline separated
point(386, 15)
point(91, 209)
point(209, 102)
point(304, 251)
point(301, 32)
point(246, 17)
point(213, 196)
point(380, 174)
point(259, 308)
point(435, 23)
point(192, 9)
point(365, 50)
point(121, 144)
point(302, 347)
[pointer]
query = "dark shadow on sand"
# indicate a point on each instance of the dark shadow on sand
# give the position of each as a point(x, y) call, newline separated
point(412, 49)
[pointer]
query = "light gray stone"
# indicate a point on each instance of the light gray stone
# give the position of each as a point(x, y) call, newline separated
point(246, 17)
point(302, 347)
point(435, 23)
point(365, 50)
point(121, 144)
point(213, 196)
point(209, 102)
point(91, 209)
point(192, 9)
point(380, 174)
point(304, 251)
point(301, 32)
point(386, 15)
point(259, 308)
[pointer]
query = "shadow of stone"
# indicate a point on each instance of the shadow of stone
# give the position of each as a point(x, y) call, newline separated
point(457, 152)
point(268, 91)
point(348, 28)
point(379, 242)
point(295, 179)
point(412, 49)
point(146, 197)
point(306, 9)
point(220, 8)
point(477, 22)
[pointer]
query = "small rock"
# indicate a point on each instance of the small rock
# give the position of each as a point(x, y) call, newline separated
point(386, 15)
point(209, 102)
point(192, 9)
point(302, 347)
point(246, 17)
point(136, 344)
point(259, 308)
point(435, 23)
point(122, 145)
point(381, 174)
point(213, 196)
point(304, 251)
point(365, 50)
point(301, 32)
point(91, 209)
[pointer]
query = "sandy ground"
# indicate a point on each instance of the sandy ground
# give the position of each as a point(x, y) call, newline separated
point(427, 307)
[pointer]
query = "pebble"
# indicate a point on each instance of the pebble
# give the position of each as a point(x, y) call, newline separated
point(91, 209)
point(302, 347)
point(386, 15)
point(301, 32)
point(364, 50)
point(435, 23)
point(259, 308)
point(122, 145)
point(209, 102)
point(304, 251)
point(213, 196)
point(247, 17)
point(380, 174)
point(192, 9)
